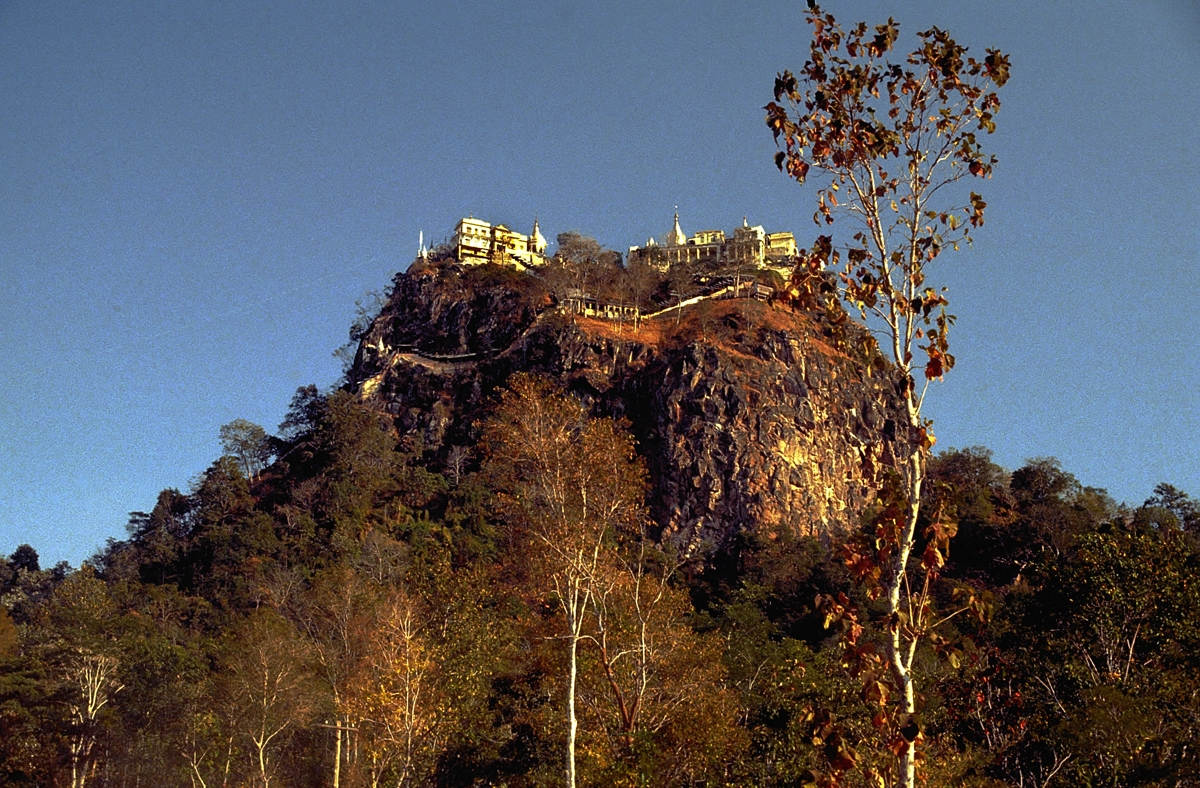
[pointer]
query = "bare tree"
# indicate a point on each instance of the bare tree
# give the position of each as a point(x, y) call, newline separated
point(456, 463)
point(571, 483)
point(399, 700)
point(80, 641)
point(269, 687)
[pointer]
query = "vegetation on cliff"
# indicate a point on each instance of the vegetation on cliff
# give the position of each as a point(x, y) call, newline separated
point(381, 595)
point(356, 617)
point(750, 414)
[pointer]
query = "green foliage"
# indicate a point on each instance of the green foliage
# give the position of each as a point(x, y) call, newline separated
point(500, 277)
point(28, 744)
point(1108, 640)
point(24, 557)
point(1086, 671)
point(25, 592)
point(991, 546)
point(9, 646)
point(1085, 675)
point(1171, 508)
point(240, 627)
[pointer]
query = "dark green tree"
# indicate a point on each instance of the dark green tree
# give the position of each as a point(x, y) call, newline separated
point(1170, 507)
point(24, 557)
point(1102, 645)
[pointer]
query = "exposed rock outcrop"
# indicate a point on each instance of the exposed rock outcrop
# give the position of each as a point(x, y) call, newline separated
point(749, 415)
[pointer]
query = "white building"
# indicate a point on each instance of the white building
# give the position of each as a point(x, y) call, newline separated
point(749, 246)
point(476, 241)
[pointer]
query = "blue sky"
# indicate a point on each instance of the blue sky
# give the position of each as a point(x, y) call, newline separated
point(193, 196)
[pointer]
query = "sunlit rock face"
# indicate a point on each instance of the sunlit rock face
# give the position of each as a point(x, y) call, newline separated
point(750, 416)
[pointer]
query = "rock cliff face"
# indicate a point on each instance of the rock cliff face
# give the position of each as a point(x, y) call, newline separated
point(749, 415)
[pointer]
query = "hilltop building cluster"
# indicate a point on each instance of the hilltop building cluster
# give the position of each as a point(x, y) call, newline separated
point(476, 242)
point(747, 246)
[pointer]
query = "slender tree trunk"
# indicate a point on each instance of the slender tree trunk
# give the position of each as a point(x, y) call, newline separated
point(228, 763)
point(899, 648)
point(572, 723)
point(81, 750)
point(262, 764)
point(337, 756)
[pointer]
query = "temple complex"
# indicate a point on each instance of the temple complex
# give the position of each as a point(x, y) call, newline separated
point(476, 241)
point(747, 246)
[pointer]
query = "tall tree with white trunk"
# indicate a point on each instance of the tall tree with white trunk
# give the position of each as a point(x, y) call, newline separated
point(570, 484)
point(892, 142)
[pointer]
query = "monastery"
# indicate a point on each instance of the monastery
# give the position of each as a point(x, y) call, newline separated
point(748, 246)
point(476, 242)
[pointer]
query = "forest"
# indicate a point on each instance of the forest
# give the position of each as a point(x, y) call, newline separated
point(323, 608)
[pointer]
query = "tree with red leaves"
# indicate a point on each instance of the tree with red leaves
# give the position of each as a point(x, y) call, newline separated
point(892, 143)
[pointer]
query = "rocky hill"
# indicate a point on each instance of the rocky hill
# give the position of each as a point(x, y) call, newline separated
point(750, 415)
